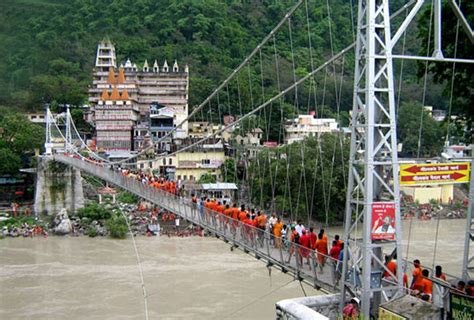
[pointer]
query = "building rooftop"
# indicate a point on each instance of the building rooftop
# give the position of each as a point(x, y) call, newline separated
point(219, 186)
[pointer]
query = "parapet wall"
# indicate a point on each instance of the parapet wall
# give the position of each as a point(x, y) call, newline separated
point(57, 186)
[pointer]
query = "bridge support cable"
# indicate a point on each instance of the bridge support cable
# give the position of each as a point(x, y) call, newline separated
point(140, 270)
point(221, 86)
point(232, 231)
point(425, 81)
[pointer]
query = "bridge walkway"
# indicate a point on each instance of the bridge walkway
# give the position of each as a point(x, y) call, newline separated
point(256, 242)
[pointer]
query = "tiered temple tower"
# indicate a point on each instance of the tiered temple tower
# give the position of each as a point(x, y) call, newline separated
point(115, 114)
point(148, 85)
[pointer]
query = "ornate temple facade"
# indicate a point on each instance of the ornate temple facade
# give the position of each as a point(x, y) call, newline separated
point(164, 86)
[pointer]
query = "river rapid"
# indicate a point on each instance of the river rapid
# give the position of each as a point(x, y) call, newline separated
point(186, 278)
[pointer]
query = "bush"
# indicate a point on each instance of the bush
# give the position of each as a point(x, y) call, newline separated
point(117, 226)
point(94, 211)
point(127, 197)
point(91, 232)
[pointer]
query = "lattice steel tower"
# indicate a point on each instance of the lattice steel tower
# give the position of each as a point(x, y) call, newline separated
point(373, 170)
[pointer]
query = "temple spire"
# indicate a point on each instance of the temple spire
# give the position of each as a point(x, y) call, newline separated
point(111, 77)
point(121, 76)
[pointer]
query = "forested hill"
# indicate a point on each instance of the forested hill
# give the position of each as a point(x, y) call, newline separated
point(48, 46)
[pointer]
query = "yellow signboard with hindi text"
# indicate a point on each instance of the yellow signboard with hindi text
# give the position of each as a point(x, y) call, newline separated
point(434, 173)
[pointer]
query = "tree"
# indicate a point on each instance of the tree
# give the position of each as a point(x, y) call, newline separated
point(207, 178)
point(305, 180)
point(411, 116)
point(18, 140)
point(10, 162)
point(463, 93)
point(228, 169)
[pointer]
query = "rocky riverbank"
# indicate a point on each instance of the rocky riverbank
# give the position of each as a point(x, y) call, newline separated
point(115, 220)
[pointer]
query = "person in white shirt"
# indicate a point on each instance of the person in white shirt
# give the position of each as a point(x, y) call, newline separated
point(300, 227)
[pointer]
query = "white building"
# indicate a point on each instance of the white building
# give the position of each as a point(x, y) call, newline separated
point(308, 126)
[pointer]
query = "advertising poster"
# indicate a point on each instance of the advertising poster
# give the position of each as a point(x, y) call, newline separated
point(385, 314)
point(383, 221)
point(462, 307)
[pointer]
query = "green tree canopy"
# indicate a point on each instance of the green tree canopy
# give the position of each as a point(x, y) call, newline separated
point(411, 116)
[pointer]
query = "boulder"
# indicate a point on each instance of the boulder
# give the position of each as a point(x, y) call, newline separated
point(62, 222)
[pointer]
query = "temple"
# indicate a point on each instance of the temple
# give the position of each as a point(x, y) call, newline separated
point(123, 98)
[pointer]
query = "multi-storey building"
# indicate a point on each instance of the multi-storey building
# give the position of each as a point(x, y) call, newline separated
point(165, 85)
point(308, 125)
point(190, 164)
point(115, 116)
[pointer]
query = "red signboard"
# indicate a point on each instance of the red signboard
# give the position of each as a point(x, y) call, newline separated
point(383, 221)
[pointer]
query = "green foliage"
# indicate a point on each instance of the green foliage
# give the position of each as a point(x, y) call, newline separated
point(91, 231)
point(18, 141)
point(127, 197)
point(94, 211)
point(207, 178)
point(228, 170)
point(17, 222)
point(117, 226)
point(409, 120)
point(298, 179)
point(56, 167)
point(463, 94)
point(10, 162)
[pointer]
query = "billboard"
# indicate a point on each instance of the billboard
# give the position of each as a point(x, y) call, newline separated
point(385, 314)
point(434, 173)
point(383, 221)
point(462, 307)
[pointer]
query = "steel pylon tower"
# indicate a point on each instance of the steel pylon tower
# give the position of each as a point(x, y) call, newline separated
point(48, 145)
point(68, 142)
point(373, 169)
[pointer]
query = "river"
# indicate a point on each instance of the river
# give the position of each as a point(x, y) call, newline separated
point(186, 278)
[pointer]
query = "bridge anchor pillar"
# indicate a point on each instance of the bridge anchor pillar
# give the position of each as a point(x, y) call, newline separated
point(57, 186)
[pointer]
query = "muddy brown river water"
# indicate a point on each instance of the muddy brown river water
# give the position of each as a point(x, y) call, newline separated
point(186, 278)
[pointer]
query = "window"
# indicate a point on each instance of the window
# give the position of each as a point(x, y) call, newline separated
point(185, 177)
point(191, 177)
point(170, 162)
point(164, 161)
point(205, 161)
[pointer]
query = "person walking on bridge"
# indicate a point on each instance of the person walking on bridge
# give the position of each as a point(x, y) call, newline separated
point(294, 240)
point(277, 232)
point(417, 281)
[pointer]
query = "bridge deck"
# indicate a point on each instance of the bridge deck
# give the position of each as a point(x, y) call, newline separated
point(257, 242)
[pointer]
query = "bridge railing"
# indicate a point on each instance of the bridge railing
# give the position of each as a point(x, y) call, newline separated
point(308, 265)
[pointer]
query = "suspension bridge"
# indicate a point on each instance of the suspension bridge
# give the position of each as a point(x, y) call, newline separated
point(270, 81)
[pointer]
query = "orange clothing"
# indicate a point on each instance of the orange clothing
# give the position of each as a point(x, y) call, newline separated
point(235, 213)
point(321, 246)
point(220, 208)
point(392, 266)
point(418, 279)
point(427, 286)
point(261, 221)
point(277, 229)
point(228, 212)
point(242, 215)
